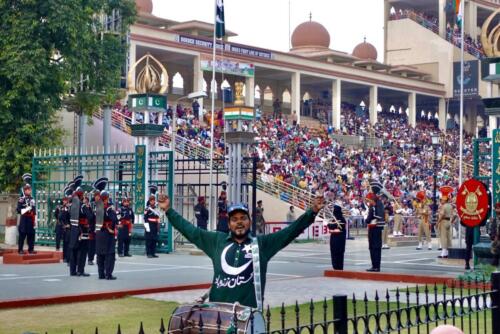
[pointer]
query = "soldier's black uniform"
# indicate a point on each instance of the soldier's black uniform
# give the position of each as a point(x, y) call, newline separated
point(92, 222)
point(375, 223)
point(64, 220)
point(151, 217)
point(106, 245)
point(58, 230)
point(337, 238)
point(26, 208)
point(125, 230)
point(78, 243)
point(201, 214)
point(222, 217)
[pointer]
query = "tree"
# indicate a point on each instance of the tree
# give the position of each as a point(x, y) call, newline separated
point(46, 47)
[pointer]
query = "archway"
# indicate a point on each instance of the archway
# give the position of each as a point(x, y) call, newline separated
point(178, 84)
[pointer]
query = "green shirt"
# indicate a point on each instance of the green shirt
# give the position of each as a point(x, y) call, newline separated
point(233, 268)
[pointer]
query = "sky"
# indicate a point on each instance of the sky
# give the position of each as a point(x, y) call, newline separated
point(264, 23)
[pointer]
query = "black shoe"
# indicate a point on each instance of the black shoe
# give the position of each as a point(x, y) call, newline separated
point(373, 270)
point(154, 256)
point(32, 252)
point(21, 252)
point(439, 248)
point(111, 277)
point(150, 256)
point(73, 274)
point(102, 277)
point(120, 255)
point(90, 263)
point(128, 255)
point(467, 267)
point(83, 274)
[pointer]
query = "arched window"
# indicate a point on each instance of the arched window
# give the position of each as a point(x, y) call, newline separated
point(306, 96)
point(286, 97)
point(257, 93)
point(178, 84)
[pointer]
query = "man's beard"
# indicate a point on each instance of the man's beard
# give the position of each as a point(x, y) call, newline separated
point(245, 234)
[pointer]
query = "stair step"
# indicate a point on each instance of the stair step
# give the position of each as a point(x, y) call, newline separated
point(37, 256)
point(42, 261)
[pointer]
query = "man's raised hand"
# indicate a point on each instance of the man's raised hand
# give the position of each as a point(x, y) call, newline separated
point(163, 202)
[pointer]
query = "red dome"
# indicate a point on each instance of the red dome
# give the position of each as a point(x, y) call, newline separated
point(144, 6)
point(310, 34)
point(365, 51)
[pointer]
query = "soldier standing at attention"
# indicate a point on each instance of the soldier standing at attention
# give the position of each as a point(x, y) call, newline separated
point(444, 220)
point(125, 228)
point(26, 208)
point(108, 229)
point(151, 226)
point(423, 213)
point(201, 213)
point(260, 222)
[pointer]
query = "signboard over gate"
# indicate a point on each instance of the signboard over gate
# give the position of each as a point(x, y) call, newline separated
point(140, 178)
point(227, 66)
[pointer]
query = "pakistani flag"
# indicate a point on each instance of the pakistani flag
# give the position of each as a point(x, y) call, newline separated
point(220, 29)
point(458, 11)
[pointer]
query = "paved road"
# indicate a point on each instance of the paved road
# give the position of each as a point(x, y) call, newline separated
point(295, 262)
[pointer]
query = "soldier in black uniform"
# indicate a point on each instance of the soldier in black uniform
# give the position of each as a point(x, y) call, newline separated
point(26, 208)
point(126, 215)
point(108, 230)
point(151, 227)
point(222, 216)
point(375, 223)
point(63, 219)
point(101, 237)
point(201, 213)
point(58, 230)
point(337, 229)
point(92, 222)
point(77, 242)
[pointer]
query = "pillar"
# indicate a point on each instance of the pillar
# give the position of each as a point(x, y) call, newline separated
point(131, 61)
point(198, 82)
point(250, 91)
point(336, 103)
point(295, 93)
point(470, 16)
point(387, 8)
point(442, 18)
point(493, 125)
point(442, 114)
point(82, 123)
point(373, 104)
point(106, 134)
point(471, 112)
point(412, 109)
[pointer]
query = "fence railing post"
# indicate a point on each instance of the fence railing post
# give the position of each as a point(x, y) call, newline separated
point(495, 302)
point(340, 314)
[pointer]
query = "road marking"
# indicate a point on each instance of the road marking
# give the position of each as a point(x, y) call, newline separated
point(51, 280)
point(278, 261)
point(284, 275)
point(8, 275)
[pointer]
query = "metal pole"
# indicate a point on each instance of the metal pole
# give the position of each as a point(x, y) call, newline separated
point(460, 159)
point(212, 88)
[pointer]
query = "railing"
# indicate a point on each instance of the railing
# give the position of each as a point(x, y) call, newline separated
point(450, 37)
point(471, 305)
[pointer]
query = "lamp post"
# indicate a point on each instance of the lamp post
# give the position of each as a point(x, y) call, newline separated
point(435, 144)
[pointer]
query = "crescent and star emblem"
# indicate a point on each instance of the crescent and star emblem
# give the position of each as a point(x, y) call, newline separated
point(230, 270)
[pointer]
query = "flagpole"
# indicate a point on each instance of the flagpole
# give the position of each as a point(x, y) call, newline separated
point(460, 159)
point(213, 87)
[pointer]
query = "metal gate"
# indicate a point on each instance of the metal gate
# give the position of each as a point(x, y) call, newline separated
point(51, 173)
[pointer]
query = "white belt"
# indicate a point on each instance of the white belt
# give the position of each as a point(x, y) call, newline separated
point(74, 224)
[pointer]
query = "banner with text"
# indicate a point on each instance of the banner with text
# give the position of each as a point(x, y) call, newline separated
point(471, 79)
point(227, 66)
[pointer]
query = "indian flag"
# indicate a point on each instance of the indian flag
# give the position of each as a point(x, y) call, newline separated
point(457, 6)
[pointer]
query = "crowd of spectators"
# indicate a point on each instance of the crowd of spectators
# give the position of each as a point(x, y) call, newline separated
point(312, 160)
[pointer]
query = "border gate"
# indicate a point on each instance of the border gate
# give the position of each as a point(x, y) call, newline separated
point(51, 173)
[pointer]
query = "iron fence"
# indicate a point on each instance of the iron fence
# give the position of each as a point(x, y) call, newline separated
point(472, 306)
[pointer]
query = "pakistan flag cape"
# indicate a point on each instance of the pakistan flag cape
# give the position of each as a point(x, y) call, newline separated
point(233, 270)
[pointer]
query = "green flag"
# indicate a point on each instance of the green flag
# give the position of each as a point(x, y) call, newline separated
point(220, 28)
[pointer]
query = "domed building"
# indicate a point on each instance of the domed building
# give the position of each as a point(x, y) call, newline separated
point(365, 51)
point(311, 39)
point(310, 35)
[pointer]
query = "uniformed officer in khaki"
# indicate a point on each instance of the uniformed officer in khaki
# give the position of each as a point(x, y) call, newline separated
point(398, 220)
point(444, 220)
point(423, 213)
